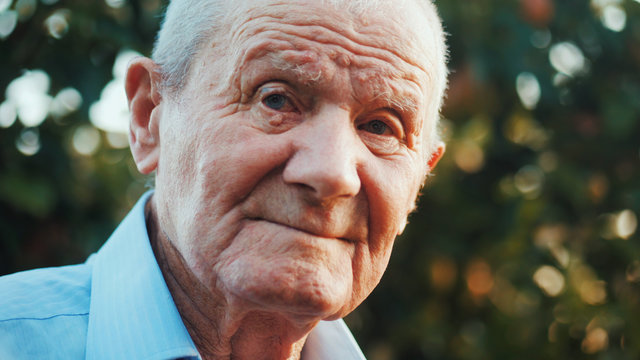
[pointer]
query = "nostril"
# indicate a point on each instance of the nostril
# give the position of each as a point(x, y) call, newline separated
point(304, 187)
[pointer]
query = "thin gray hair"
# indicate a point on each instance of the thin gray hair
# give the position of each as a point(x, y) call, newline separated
point(187, 25)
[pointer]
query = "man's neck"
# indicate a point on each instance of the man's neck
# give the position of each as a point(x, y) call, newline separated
point(218, 328)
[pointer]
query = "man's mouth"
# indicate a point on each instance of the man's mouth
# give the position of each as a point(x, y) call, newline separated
point(304, 230)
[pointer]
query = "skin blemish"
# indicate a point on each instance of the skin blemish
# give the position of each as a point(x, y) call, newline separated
point(308, 56)
point(344, 60)
point(276, 120)
point(300, 57)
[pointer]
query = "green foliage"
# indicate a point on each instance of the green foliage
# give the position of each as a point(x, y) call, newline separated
point(524, 245)
point(58, 206)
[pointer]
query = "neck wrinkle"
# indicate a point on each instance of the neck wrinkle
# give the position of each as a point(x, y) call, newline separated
point(187, 292)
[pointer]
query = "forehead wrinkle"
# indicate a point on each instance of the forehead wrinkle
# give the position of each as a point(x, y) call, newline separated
point(319, 32)
point(281, 46)
point(415, 46)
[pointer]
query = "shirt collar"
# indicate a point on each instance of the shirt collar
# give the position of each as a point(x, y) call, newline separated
point(331, 340)
point(132, 311)
point(133, 314)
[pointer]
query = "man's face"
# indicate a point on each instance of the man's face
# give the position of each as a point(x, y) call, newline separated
point(289, 162)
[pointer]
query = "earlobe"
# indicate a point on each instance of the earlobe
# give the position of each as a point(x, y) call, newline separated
point(436, 156)
point(143, 93)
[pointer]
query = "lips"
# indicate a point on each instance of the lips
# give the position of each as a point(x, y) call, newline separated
point(304, 228)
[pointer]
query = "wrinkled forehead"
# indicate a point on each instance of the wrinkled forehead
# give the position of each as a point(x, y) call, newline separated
point(400, 26)
point(400, 32)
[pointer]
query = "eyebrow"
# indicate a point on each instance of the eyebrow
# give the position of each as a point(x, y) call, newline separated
point(403, 103)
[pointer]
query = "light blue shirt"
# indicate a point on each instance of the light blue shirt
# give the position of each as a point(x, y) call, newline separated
point(115, 306)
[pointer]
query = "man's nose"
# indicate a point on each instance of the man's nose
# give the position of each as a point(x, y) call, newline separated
point(325, 158)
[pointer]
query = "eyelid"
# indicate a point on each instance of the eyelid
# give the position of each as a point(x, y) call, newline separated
point(276, 87)
point(389, 117)
point(269, 89)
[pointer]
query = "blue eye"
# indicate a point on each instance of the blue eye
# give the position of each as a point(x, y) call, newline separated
point(375, 127)
point(275, 101)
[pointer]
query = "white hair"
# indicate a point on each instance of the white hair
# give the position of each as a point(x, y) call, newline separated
point(186, 26)
point(189, 24)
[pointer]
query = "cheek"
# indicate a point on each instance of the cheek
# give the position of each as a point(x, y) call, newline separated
point(175, 172)
point(390, 191)
point(228, 168)
point(223, 179)
point(391, 187)
point(207, 167)
point(368, 266)
point(233, 161)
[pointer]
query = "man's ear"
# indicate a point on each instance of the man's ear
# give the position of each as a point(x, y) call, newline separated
point(143, 93)
point(436, 156)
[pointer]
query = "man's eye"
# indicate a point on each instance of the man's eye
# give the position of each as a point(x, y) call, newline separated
point(275, 101)
point(376, 127)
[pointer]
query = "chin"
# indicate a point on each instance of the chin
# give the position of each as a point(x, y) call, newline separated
point(297, 289)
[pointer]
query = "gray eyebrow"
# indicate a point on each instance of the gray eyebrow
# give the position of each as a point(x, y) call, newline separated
point(405, 104)
point(307, 77)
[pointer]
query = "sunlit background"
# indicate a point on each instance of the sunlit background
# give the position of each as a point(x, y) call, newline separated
point(525, 244)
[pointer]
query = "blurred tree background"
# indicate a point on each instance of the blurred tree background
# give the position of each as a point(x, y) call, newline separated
point(525, 245)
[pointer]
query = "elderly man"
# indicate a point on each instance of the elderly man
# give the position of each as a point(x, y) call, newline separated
point(289, 140)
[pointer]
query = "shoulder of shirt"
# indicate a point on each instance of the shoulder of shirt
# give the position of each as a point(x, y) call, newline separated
point(46, 293)
point(42, 309)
